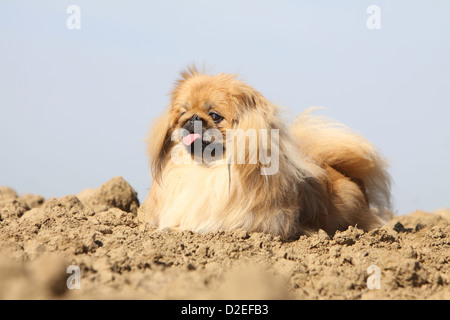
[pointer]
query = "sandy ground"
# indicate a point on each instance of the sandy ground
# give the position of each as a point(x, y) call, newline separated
point(98, 232)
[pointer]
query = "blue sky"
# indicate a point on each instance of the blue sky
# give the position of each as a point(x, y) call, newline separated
point(75, 105)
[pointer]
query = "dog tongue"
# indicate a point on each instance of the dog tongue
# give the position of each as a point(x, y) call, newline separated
point(189, 139)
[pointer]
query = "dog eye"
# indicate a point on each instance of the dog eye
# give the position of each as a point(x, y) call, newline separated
point(216, 117)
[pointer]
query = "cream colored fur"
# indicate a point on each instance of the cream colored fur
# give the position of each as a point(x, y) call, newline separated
point(329, 177)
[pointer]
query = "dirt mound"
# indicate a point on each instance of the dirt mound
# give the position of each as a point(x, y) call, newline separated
point(41, 242)
point(116, 193)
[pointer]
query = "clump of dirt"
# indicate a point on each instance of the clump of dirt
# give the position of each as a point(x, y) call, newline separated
point(116, 193)
point(98, 232)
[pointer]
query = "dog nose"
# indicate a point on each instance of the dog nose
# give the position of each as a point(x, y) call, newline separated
point(194, 123)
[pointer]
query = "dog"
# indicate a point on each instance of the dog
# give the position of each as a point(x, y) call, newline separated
point(291, 180)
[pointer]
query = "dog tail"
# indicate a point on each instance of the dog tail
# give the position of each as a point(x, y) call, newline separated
point(333, 144)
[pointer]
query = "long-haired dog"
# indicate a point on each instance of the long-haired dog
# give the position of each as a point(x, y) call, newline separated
point(316, 174)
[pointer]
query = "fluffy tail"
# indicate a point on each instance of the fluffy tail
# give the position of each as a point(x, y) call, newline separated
point(333, 144)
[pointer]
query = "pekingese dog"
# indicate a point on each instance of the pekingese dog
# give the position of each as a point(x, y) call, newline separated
point(222, 159)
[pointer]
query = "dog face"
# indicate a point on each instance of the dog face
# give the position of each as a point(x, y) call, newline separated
point(202, 109)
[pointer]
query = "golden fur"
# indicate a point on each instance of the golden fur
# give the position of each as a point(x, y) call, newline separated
point(328, 177)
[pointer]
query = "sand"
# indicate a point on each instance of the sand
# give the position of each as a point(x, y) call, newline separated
point(98, 232)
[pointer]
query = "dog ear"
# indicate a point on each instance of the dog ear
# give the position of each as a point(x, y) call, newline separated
point(249, 98)
point(257, 120)
point(160, 139)
point(159, 143)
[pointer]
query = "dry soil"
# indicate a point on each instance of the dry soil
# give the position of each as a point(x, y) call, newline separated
point(98, 232)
